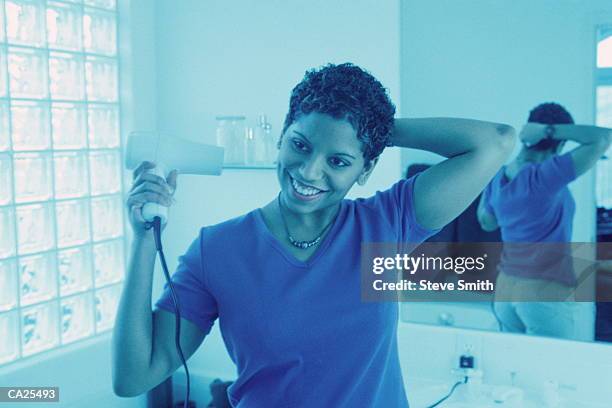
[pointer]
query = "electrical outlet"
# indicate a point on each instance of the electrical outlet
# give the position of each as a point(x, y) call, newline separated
point(466, 361)
point(469, 345)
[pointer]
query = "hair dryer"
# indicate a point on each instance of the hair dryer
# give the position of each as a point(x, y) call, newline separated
point(169, 153)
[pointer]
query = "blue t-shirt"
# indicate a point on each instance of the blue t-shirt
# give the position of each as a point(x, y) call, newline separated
point(298, 332)
point(535, 206)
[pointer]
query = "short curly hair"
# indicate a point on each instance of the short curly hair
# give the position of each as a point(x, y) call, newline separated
point(549, 113)
point(346, 91)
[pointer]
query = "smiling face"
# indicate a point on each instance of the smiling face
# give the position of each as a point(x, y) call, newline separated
point(320, 159)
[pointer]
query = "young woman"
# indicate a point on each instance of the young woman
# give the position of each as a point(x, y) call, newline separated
point(530, 202)
point(284, 280)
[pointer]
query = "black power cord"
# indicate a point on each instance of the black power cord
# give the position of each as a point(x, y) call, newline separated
point(447, 396)
point(177, 336)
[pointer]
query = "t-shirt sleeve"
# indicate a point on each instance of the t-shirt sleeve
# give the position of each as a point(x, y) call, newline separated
point(397, 204)
point(196, 303)
point(553, 174)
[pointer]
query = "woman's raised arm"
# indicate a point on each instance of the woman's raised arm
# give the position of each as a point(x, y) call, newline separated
point(475, 150)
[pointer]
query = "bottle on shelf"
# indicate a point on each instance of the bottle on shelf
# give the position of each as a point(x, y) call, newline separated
point(250, 146)
point(265, 151)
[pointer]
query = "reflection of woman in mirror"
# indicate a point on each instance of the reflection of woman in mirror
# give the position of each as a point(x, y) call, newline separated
point(284, 280)
point(530, 202)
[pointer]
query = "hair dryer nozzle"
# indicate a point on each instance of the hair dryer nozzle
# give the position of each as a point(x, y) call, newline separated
point(174, 153)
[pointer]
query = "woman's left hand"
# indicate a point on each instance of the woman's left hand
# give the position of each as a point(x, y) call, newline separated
point(532, 133)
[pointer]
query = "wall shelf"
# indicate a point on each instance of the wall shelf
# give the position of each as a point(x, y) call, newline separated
point(249, 167)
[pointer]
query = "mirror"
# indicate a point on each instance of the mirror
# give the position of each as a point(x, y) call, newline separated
point(495, 63)
point(529, 283)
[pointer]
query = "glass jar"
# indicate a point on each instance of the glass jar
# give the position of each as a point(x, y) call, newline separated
point(231, 136)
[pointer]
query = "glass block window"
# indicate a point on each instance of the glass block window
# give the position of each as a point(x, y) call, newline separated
point(61, 211)
point(603, 103)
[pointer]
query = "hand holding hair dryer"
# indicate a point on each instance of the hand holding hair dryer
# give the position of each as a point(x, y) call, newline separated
point(169, 153)
point(186, 157)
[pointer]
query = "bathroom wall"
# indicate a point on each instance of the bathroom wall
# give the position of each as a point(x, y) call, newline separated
point(496, 60)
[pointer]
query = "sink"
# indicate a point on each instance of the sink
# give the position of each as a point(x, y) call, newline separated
point(424, 392)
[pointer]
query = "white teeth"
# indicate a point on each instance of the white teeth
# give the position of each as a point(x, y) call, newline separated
point(303, 190)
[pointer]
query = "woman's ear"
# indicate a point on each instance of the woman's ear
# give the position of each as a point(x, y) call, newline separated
point(367, 170)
